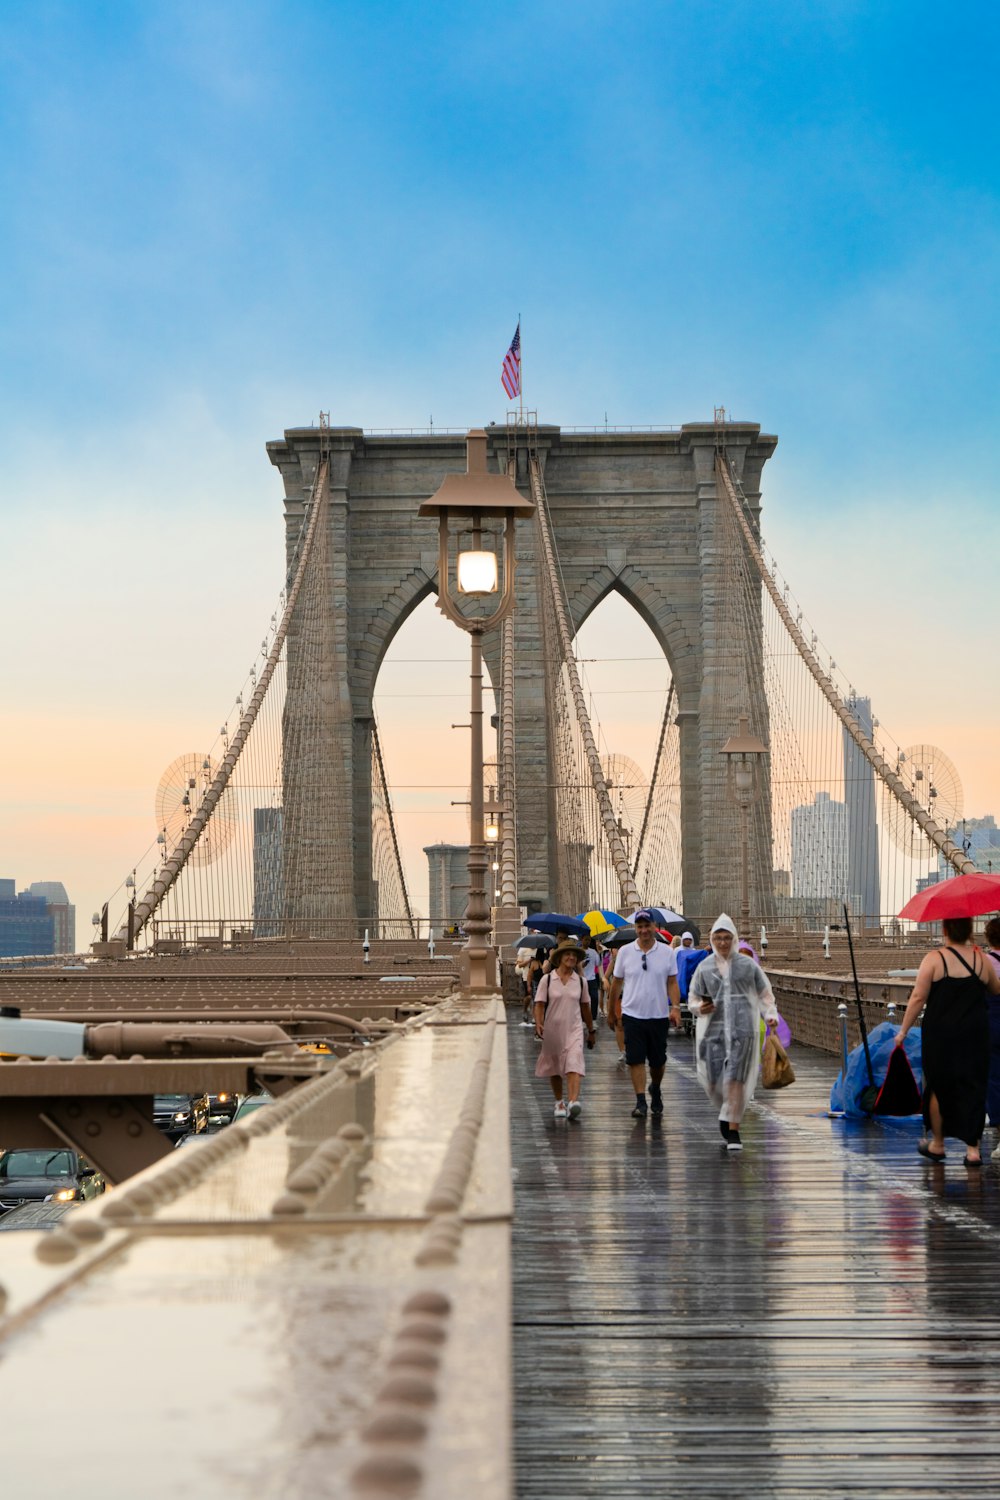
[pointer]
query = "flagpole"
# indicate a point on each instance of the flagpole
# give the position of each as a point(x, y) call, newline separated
point(520, 383)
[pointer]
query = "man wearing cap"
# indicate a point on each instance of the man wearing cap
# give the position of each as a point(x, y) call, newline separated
point(644, 992)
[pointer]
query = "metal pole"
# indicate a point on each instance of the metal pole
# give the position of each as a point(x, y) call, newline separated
point(478, 950)
point(842, 1018)
point(745, 869)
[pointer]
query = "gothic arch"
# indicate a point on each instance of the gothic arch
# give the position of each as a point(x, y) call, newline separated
point(377, 632)
point(662, 619)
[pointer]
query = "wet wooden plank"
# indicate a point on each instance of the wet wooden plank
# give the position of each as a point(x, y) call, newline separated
point(818, 1316)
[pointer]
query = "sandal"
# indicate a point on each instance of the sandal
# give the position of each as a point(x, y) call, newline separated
point(970, 1161)
point(925, 1150)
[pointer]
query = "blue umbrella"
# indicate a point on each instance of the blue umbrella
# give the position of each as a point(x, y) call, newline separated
point(554, 921)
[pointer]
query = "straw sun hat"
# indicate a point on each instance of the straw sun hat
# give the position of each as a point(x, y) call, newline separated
point(555, 954)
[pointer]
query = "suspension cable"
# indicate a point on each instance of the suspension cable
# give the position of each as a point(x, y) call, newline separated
point(626, 880)
point(173, 866)
point(935, 833)
point(384, 788)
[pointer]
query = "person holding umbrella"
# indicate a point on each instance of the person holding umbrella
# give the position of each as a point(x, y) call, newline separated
point(953, 982)
point(561, 1001)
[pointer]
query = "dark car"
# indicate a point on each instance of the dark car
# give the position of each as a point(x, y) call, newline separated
point(36, 1216)
point(252, 1102)
point(44, 1176)
point(180, 1114)
point(223, 1106)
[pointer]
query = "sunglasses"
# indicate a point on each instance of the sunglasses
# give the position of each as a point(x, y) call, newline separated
point(644, 962)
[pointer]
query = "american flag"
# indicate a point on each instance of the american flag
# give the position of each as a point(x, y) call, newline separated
point(510, 370)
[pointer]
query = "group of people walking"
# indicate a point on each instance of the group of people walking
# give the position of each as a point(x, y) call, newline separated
point(728, 993)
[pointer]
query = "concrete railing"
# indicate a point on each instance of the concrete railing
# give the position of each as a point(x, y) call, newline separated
point(809, 1003)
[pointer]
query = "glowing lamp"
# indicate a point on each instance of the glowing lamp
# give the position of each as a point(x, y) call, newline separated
point(477, 573)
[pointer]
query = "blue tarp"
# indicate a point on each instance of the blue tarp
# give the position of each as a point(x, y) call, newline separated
point(880, 1042)
point(688, 960)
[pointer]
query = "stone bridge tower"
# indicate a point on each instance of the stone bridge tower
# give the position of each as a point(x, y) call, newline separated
point(636, 512)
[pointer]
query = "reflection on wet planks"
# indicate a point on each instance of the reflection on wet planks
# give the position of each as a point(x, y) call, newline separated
point(818, 1316)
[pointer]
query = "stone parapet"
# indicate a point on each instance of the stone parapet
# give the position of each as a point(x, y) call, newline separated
point(335, 1270)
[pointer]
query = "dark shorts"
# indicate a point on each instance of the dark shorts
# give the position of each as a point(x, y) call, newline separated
point(645, 1041)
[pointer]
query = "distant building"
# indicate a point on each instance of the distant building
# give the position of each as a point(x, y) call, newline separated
point(980, 838)
point(26, 924)
point(53, 892)
point(448, 870)
point(863, 884)
point(819, 849)
point(268, 873)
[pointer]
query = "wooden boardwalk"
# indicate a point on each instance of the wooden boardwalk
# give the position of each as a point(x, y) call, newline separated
point(817, 1316)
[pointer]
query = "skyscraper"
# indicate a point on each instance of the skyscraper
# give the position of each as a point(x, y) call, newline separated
point(26, 924)
point(863, 886)
point(53, 893)
point(268, 873)
point(448, 871)
point(819, 849)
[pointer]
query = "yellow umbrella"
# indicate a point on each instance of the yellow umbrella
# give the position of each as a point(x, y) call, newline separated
point(598, 922)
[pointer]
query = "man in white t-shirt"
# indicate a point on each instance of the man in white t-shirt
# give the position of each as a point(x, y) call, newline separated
point(645, 988)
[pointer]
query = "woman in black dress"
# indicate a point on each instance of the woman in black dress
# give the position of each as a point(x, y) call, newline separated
point(953, 982)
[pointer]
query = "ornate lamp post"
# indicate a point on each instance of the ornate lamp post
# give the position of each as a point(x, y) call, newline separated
point(471, 570)
point(743, 751)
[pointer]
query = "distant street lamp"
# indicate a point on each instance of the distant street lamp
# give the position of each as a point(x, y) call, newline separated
point(743, 751)
point(483, 554)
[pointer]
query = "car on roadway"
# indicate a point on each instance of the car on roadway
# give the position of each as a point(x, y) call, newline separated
point(223, 1106)
point(36, 1215)
point(180, 1114)
point(250, 1103)
point(47, 1175)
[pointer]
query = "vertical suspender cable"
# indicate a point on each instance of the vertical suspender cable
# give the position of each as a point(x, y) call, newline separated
point(626, 880)
point(384, 789)
point(934, 832)
point(179, 858)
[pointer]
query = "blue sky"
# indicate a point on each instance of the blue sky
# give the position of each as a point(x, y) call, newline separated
point(219, 219)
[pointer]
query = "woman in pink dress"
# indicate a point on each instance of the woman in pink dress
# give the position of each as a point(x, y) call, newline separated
point(561, 1002)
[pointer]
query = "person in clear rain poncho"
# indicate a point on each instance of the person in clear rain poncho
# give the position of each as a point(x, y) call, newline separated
point(729, 994)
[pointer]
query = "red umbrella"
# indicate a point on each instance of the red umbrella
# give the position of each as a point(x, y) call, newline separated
point(962, 896)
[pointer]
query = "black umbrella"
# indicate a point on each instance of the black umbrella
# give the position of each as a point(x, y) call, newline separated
point(623, 935)
point(536, 940)
point(682, 925)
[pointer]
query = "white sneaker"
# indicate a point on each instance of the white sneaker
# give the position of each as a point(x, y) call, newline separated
point(560, 1109)
point(575, 1110)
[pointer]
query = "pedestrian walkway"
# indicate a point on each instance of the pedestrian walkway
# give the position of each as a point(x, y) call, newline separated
point(817, 1316)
